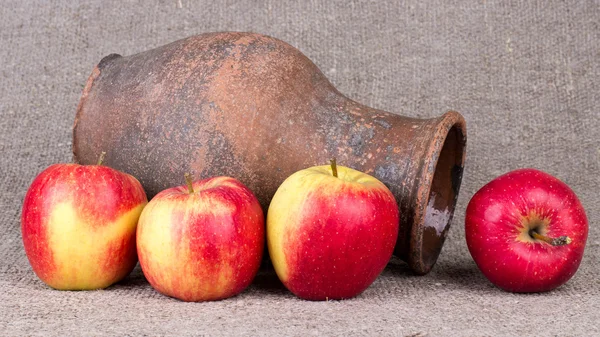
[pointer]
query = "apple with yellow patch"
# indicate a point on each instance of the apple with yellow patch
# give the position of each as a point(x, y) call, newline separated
point(78, 225)
point(203, 241)
point(331, 231)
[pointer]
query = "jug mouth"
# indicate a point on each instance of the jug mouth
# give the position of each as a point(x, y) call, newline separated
point(440, 178)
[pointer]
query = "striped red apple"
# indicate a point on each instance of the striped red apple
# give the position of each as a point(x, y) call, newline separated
point(203, 241)
point(78, 225)
point(331, 230)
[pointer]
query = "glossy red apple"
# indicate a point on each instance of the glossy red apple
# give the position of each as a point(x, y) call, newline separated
point(78, 225)
point(526, 230)
point(203, 241)
point(331, 230)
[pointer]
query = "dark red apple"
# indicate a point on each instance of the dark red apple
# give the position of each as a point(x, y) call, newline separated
point(526, 230)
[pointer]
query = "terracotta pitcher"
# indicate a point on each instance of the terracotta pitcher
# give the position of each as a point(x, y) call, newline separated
point(255, 108)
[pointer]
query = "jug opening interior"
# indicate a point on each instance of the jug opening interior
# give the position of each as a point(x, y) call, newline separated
point(442, 195)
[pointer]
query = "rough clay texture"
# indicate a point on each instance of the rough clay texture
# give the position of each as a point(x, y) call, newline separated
point(254, 108)
point(525, 75)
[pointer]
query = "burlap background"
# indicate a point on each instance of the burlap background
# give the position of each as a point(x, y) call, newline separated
point(525, 74)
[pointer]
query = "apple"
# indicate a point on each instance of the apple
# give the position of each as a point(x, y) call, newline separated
point(526, 231)
point(331, 230)
point(78, 225)
point(203, 241)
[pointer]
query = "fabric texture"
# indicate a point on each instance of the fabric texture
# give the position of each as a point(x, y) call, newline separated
point(525, 74)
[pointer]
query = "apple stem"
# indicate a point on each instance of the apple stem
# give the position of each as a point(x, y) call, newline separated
point(559, 241)
point(333, 167)
point(188, 180)
point(101, 158)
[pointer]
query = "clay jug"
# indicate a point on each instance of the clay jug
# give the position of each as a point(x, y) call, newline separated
point(255, 108)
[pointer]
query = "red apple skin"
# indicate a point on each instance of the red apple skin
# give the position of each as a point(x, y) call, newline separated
point(320, 271)
point(330, 238)
point(78, 225)
point(203, 246)
point(499, 217)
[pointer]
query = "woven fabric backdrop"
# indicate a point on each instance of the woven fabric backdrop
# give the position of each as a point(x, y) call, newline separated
point(525, 74)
